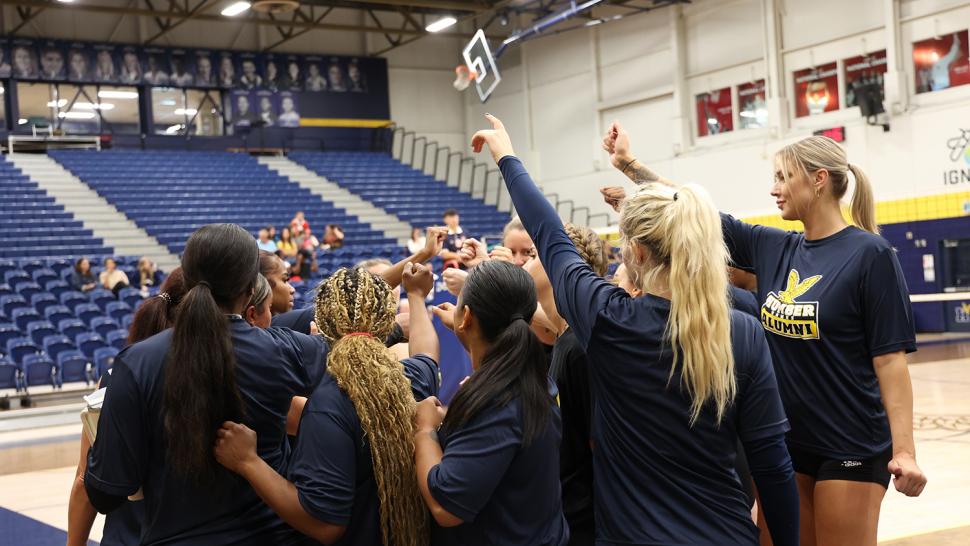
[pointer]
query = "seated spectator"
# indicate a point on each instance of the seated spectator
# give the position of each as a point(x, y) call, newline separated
point(333, 237)
point(265, 242)
point(148, 273)
point(286, 246)
point(82, 279)
point(271, 229)
point(299, 224)
point(307, 241)
point(417, 240)
point(113, 278)
point(454, 240)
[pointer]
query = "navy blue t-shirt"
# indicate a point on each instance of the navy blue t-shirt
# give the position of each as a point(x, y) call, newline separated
point(828, 306)
point(744, 301)
point(272, 366)
point(332, 467)
point(122, 527)
point(658, 479)
point(504, 491)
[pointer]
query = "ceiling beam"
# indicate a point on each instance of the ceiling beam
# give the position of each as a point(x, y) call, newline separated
point(300, 32)
point(444, 5)
point(26, 16)
point(140, 12)
point(194, 12)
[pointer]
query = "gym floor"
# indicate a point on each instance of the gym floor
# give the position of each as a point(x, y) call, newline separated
point(37, 462)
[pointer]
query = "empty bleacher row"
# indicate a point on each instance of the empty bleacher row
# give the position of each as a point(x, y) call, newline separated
point(409, 194)
point(171, 194)
point(51, 334)
point(33, 225)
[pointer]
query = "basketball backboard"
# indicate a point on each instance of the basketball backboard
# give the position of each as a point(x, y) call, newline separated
point(478, 56)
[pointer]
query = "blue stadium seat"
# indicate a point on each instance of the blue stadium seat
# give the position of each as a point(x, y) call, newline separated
point(8, 331)
point(131, 296)
point(117, 309)
point(6, 290)
point(27, 289)
point(56, 344)
point(19, 347)
point(23, 316)
point(104, 358)
point(127, 321)
point(7, 265)
point(101, 297)
point(87, 312)
point(117, 339)
point(40, 329)
point(17, 275)
point(9, 303)
point(9, 374)
point(103, 325)
point(72, 299)
point(71, 327)
point(73, 366)
point(30, 266)
point(44, 275)
point(56, 313)
point(57, 287)
point(38, 369)
point(89, 342)
point(42, 301)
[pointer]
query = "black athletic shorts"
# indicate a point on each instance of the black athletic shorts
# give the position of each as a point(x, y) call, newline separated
point(821, 468)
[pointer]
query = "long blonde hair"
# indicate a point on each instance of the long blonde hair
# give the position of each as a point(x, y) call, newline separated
point(820, 152)
point(355, 301)
point(680, 230)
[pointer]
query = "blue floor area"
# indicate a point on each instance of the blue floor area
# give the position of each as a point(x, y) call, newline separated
point(19, 530)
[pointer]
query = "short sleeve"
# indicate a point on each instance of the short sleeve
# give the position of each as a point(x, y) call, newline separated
point(475, 459)
point(118, 459)
point(750, 244)
point(423, 373)
point(307, 355)
point(324, 465)
point(760, 413)
point(886, 307)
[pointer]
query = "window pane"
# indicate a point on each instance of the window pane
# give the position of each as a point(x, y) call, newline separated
point(205, 107)
point(168, 111)
point(119, 108)
point(75, 109)
point(32, 100)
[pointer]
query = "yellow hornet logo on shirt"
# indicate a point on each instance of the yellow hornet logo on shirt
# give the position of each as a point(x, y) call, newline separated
point(782, 314)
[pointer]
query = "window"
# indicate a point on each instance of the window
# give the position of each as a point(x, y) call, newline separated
point(186, 111)
point(74, 109)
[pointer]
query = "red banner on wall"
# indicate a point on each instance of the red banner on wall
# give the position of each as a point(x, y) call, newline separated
point(941, 63)
point(754, 109)
point(816, 90)
point(714, 112)
point(863, 70)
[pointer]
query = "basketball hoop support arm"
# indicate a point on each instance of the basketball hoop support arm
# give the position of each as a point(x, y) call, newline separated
point(540, 26)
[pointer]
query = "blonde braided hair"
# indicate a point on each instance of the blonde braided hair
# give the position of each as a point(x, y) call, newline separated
point(592, 249)
point(357, 301)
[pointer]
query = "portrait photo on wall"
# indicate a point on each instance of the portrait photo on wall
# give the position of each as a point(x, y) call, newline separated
point(753, 112)
point(315, 80)
point(227, 70)
point(336, 77)
point(105, 63)
point(52, 65)
point(243, 108)
point(80, 62)
point(714, 112)
point(272, 76)
point(267, 107)
point(356, 80)
point(4, 61)
point(155, 69)
point(292, 79)
point(180, 71)
point(131, 69)
point(204, 74)
point(249, 77)
point(942, 62)
point(864, 71)
point(23, 59)
point(289, 112)
point(816, 90)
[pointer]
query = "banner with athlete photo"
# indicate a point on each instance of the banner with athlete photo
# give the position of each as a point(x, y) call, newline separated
point(714, 112)
point(52, 64)
point(862, 71)
point(816, 90)
point(267, 107)
point(753, 112)
point(23, 59)
point(80, 62)
point(106, 63)
point(289, 111)
point(243, 108)
point(941, 63)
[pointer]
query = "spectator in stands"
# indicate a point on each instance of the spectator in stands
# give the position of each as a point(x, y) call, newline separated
point(113, 278)
point(287, 244)
point(271, 229)
point(333, 237)
point(123, 526)
point(299, 224)
point(416, 242)
point(306, 240)
point(275, 269)
point(82, 279)
point(259, 311)
point(454, 240)
point(148, 273)
point(211, 366)
point(265, 242)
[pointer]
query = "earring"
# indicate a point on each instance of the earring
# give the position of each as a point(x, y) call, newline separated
point(818, 193)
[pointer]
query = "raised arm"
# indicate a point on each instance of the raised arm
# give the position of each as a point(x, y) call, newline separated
point(617, 144)
point(423, 339)
point(434, 239)
point(580, 294)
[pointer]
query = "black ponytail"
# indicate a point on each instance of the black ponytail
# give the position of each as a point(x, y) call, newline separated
point(503, 299)
point(219, 265)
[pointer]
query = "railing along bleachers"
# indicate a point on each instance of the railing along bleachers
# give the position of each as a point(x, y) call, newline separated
point(170, 194)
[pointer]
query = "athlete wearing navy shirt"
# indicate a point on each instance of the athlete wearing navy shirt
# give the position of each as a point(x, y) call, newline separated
point(169, 392)
point(351, 449)
point(663, 457)
point(490, 473)
point(835, 306)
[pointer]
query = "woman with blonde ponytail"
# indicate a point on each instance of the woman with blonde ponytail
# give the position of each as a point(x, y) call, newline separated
point(351, 476)
point(836, 309)
point(676, 376)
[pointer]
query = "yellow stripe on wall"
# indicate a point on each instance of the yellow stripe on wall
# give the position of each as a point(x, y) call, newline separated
point(345, 122)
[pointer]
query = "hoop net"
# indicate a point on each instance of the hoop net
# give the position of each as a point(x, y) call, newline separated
point(464, 76)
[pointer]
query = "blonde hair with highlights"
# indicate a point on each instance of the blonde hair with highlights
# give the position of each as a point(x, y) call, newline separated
point(680, 231)
point(356, 301)
point(811, 154)
point(592, 249)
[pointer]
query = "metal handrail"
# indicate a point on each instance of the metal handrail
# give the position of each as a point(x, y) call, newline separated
point(414, 147)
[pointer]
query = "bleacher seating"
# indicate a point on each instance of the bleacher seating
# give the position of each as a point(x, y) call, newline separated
point(411, 195)
point(170, 194)
point(33, 225)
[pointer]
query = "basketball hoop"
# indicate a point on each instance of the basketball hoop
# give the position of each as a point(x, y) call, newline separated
point(464, 76)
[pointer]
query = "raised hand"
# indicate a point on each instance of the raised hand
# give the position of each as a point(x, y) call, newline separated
point(472, 253)
point(503, 254)
point(446, 314)
point(417, 279)
point(614, 196)
point(434, 240)
point(454, 279)
point(496, 138)
point(616, 142)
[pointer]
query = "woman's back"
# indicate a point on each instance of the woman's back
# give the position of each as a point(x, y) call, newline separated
point(271, 367)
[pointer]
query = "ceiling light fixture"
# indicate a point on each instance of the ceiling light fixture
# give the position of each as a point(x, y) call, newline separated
point(441, 24)
point(235, 9)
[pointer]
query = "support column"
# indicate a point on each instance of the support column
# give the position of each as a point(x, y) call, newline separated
point(680, 124)
point(774, 68)
point(895, 82)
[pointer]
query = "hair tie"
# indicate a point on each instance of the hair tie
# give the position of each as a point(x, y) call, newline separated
point(515, 317)
point(676, 193)
point(165, 296)
point(365, 334)
point(205, 284)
